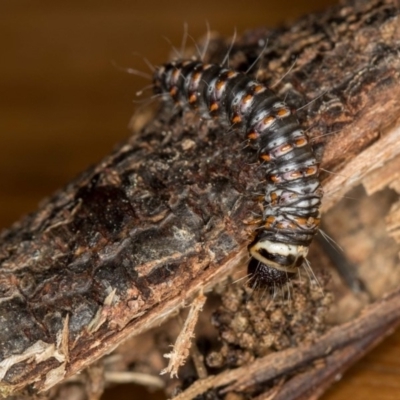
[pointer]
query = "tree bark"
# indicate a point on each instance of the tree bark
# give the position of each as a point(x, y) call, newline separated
point(165, 216)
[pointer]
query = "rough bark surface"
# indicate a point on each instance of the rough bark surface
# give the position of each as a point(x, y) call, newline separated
point(165, 215)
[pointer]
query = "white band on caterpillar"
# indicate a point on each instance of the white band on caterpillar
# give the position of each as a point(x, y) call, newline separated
point(282, 249)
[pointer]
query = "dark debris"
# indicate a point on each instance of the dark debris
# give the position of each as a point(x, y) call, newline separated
point(252, 323)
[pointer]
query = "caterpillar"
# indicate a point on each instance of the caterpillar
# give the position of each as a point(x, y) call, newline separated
point(293, 192)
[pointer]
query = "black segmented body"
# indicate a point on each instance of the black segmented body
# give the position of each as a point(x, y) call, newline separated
point(293, 191)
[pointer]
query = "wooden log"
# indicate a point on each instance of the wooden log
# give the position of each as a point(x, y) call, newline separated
point(162, 218)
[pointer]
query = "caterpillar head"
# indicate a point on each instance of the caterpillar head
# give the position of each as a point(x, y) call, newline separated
point(273, 263)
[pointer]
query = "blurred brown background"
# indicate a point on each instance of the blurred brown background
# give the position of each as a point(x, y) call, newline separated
point(63, 105)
